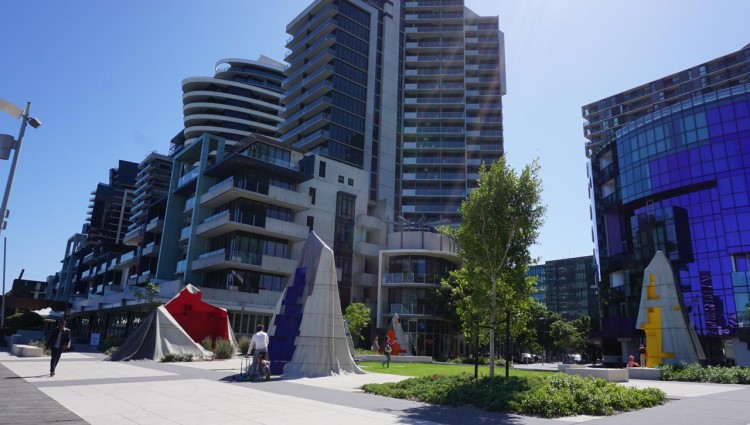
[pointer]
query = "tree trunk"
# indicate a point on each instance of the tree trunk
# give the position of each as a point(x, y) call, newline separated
point(507, 345)
point(493, 302)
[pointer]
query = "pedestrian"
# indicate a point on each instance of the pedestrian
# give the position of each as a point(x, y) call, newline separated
point(642, 352)
point(259, 343)
point(375, 345)
point(631, 362)
point(57, 341)
point(387, 348)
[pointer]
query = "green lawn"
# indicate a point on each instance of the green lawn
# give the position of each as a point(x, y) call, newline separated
point(429, 369)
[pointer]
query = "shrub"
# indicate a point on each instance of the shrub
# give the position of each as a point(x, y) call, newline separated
point(109, 342)
point(553, 396)
point(693, 372)
point(111, 350)
point(173, 357)
point(207, 343)
point(223, 349)
point(40, 344)
point(567, 395)
point(244, 344)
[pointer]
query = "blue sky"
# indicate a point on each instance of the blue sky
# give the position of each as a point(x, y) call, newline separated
point(104, 79)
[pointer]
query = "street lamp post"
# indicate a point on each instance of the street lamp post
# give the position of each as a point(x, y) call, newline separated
point(7, 144)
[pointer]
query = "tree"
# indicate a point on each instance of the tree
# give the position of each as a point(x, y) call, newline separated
point(27, 320)
point(500, 220)
point(566, 336)
point(147, 293)
point(536, 335)
point(357, 316)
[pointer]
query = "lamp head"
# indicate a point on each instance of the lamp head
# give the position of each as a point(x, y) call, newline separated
point(34, 122)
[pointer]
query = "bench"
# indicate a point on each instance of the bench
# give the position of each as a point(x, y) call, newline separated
point(644, 373)
point(22, 350)
point(611, 375)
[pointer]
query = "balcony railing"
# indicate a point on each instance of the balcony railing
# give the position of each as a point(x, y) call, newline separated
point(181, 266)
point(413, 309)
point(190, 175)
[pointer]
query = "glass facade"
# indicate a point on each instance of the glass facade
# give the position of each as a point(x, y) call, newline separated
point(669, 169)
point(568, 287)
point(682, 176)
point(691, 165)
point(326, 88)
point(411, 282)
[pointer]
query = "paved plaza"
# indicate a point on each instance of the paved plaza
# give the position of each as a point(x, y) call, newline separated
point(87, 390)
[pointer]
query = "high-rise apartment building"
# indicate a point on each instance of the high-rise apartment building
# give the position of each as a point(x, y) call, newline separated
point(568, 287)
point(670, 171)
point(453, 83)
point(408, 90)
point(242, 98)
point(87, 265)
point(147, 213)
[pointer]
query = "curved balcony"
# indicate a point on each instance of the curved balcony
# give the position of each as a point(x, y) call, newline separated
point(197, 131)
point(208, 83)
point(252, 126)
point(208, 106)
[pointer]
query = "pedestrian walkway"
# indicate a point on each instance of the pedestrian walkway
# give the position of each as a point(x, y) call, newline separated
point(88, 390)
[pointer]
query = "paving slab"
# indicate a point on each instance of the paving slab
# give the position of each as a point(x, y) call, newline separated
point(89, 390)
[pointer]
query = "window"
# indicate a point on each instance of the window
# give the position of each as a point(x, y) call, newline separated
point(322, 169)
point(310, 222)
point(341, 179)
point(312, 195)
point(350, 182)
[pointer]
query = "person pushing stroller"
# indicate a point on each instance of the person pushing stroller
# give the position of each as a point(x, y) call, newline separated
point(258, 349)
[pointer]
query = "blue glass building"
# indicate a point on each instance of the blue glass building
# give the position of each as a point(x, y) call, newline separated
point(670, 171)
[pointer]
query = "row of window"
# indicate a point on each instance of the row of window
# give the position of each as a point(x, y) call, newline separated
point(350, 88)
point(243, 323)
point(348, 103)
point(251, 243)
point(350, 56)
point(346, 70)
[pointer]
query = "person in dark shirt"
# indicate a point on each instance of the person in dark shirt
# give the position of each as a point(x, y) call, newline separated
point(57, 341)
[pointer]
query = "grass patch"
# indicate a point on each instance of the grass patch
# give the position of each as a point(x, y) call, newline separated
point(441, 369)
point(552, 395)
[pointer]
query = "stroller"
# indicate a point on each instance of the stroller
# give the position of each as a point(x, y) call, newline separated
point(263, 372)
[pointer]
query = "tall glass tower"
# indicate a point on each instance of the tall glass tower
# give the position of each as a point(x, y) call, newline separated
point(670, 171)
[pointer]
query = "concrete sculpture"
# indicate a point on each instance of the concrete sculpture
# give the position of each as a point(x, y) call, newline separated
point(670, 337)
point(307, 336)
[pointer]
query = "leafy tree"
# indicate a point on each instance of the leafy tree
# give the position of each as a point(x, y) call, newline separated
point(357, 317)
point(536, 336)
point(571, 335)
point(27, 320)
point(500, 220)
point(147, 293)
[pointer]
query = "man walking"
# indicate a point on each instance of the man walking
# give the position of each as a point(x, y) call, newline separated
point(58, 340)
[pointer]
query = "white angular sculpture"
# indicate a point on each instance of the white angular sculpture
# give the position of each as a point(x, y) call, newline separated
point(670, 337)
point(319, 346)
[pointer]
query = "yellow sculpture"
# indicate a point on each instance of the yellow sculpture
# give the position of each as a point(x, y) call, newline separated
point(670, 337)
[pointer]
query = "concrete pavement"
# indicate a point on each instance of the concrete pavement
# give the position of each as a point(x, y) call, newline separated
point(86, 389)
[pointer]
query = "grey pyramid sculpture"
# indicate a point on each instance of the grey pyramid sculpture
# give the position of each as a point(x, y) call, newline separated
point(307, 330)
point(670, 337)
